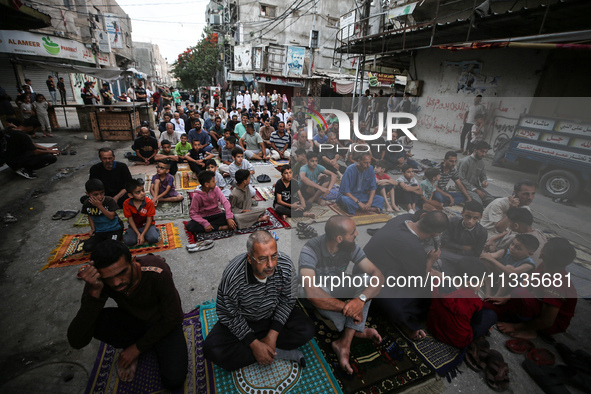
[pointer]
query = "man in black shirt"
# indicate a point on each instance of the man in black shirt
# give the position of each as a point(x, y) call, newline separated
point(398, 250)
point(113, 174)
point(145, 147)
point(106, 94)
point(23, 156)
point(162, 125)
point(61, 86)
point(140, 92)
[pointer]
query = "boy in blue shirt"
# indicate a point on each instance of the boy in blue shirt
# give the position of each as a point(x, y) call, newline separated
point(104, 222)
point(517, 259)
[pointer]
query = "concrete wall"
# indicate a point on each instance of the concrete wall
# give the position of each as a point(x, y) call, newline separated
point(512, 76)
point(295, 29)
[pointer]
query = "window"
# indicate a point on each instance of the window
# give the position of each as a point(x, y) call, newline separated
point(333, 22)
point(268, 10)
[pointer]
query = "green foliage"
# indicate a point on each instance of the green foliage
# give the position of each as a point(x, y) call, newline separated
point(197, 66)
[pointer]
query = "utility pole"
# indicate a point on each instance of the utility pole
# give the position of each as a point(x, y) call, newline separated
point(312, 50)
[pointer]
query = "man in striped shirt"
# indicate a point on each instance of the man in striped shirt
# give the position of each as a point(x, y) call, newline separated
point(258, 320)
point(280, 143)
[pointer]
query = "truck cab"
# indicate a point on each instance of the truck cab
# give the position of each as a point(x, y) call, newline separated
point(559, 148)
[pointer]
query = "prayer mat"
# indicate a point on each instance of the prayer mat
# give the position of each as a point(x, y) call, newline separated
point(274, 223)
point(362, 217)
point(172, 210)
point(82, 219)
point(187, 181)
point(259, 163)
point(104, 379)
point(279, 163)
point(322, 214)
point(393, 365)
point(279, 377)
point(148, 181)
point(439, 356)
point(453, 211)
point(69, 249)
point(259, 196)
point(266, 192)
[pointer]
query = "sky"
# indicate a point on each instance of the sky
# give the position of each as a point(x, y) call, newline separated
point(174, 25)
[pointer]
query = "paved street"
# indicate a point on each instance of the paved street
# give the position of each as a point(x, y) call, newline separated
point(38, 306)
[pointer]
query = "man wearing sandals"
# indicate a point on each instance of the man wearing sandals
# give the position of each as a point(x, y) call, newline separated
point(148, 313)
point(258, 319)
point(328, 256)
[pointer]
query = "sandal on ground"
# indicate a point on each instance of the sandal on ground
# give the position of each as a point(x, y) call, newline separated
point(50, 135)
point(519, 345)
point(64, 152)
point(541, 356)
point(547, 378)
point(69, 215)
point(58, 215)
point(72, 152)
point(579, 359)
point(472, 359)
point(497, 371)
point(305, 231)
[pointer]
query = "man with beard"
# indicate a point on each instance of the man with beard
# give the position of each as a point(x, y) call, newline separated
point(200, 135)
point(258, 319)
point(495, 219)
point(145, 147)
point(329, 255)
point(113, 174)
point(358, 187)
point(148, 315)
point(216, 132)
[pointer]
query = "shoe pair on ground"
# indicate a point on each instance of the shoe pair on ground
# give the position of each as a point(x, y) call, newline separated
point(553, 379)
point(480, 357)
point(64, 152)
point(200, 246)
point(29, 174)
point(64, 215)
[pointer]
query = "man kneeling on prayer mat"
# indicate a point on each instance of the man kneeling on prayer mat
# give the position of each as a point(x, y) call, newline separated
point(258, 320)
point(148, 313)
point(329, 255)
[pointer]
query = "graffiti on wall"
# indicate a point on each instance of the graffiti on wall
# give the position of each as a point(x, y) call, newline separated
point(77, 81)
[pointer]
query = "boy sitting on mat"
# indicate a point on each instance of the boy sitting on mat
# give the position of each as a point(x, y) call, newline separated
point(139, 210)
point(241, 202)
point(546, 309)
point(206, 216)
point(104, 222)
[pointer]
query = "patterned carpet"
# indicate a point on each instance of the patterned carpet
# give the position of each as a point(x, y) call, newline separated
point(69, 249)
point(279, 377)
point(103, 378)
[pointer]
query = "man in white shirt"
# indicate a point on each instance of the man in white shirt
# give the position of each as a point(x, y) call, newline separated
point(171, 135)
point(131, 93)
point(288, 114)
point(274, 98)
point(247, 100)
point(179, 124)
point(255, 98)
point(239, 100)
point(262, 99)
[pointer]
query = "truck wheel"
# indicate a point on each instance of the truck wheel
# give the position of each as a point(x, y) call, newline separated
point(559, 183)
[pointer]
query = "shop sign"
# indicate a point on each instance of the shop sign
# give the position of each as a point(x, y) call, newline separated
point(25, 43)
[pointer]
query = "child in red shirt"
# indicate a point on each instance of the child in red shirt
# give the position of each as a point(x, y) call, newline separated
point(456, 315)
point(140, 211)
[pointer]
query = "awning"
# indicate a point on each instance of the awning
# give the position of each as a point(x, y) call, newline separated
point(16, 16)
point(106, 74)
